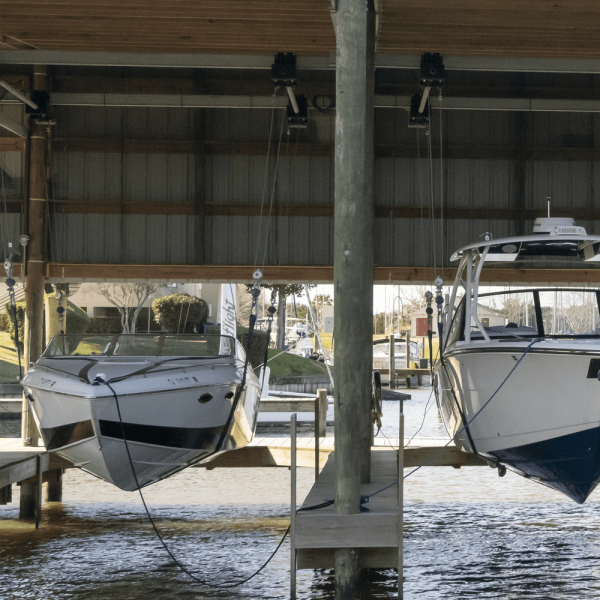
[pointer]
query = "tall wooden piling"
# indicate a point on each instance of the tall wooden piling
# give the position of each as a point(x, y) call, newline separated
point(54, 486)
point(37, 209)
point(392, 366)
point(353, 268)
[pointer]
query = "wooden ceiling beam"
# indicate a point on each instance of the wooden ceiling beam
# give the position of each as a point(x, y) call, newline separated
point(300, 273)
point(157, 146)
point(324, 149)
point(300, 209)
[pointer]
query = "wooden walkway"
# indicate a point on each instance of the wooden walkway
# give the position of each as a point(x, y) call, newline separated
point(18, 462)
point(319, 532)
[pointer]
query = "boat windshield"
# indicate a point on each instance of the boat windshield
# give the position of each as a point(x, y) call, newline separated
point(531, 313)
point(141, 345)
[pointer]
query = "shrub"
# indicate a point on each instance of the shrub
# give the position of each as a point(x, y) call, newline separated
point(180, 313)
point(4, 321)
point(259, 342)
point(104, 325)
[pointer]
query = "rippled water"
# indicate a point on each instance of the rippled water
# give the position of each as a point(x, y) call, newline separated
point(469, 533)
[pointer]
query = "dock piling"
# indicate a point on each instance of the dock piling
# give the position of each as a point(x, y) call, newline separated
point(54, 486)
point(39, 481)
point(392, 362)
point(353, 260)
point(320, 425)
point(293, 509)
point(6, 494)
point(401, 503)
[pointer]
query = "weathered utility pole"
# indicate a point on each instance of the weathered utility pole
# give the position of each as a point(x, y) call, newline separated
point(36, 225)
point(353, 268)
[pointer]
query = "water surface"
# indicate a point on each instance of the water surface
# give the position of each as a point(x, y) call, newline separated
point(469, 533)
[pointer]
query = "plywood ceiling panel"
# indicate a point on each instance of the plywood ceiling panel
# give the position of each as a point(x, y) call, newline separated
point(536, 28)
point(170, 26)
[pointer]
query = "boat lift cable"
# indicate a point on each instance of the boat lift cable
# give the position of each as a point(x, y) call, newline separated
point(316, 326)
point(432, 210)
point(273, 188)
point(262, 198)
point(420, 184)
point(4, 223)
point(271, 310)
point(442, 240)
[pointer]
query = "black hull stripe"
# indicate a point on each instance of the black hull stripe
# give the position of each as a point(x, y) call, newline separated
point(203, 438)
point(58, 437)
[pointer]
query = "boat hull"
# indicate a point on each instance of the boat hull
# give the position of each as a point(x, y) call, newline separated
point(543, 417)
point(164, 422)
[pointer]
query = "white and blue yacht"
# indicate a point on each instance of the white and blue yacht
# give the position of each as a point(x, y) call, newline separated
point(525, 395)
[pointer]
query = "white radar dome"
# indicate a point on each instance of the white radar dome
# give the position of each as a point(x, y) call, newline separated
point(557, 226)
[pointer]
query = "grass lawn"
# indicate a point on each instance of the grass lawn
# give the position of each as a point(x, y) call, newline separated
point(290, 365)
point(9, 365)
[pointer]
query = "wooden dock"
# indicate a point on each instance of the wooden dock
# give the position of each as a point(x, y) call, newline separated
point(319, 532)
point(31, 466)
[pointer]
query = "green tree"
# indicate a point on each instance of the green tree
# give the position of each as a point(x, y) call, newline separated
point(128, 298)
point(379, 323)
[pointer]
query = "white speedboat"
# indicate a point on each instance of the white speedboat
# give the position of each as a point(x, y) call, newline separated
point(180, 399)
point(526, 394)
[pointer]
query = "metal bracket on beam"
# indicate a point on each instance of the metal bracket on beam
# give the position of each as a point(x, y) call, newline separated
point(432, 73)
point(418, 117)
point(297, 112)
point(41, 99)
point(332, 6)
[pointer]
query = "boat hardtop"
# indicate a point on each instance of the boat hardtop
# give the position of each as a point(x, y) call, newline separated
point(556, 238)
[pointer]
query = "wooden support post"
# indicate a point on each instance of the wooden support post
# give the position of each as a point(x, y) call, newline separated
point(54, 486)
point(353, 268)
point(37, 210)
point(320, 425)
point(39, 482)
point(401, 503)
point(6, 494)
point(52, 322)
point(407, 335)
point(293, 510)
point(30, 505)
point(392, 362)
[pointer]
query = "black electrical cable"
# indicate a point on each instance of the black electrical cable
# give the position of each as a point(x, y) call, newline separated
point(229, 584)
